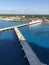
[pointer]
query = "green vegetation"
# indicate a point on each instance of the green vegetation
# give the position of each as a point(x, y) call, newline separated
point(40, 16)
point(27, 17)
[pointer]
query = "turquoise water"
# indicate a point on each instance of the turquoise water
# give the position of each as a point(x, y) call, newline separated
point(10, 50)
point(4, 24)
point(37, 36)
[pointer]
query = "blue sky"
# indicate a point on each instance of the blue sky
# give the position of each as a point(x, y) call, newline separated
point(24, 6)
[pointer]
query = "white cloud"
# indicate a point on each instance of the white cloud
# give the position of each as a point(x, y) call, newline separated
point(11, 11)
point(15, 11)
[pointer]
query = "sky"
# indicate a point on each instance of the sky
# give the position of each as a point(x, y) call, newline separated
point(24, 6)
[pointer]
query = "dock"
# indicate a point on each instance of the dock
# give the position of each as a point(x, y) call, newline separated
point(22, 25)
point(31, 56)
point(11, 27)
point(18, 26)
point(7, 28)
point(29, 53)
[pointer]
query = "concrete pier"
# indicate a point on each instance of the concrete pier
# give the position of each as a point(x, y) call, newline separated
point(22, 25)
point(35, 21)
point(7, 28)
point(31, 56)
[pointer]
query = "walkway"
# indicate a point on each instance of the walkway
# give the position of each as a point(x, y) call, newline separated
point(31, 56)
point(7, 28)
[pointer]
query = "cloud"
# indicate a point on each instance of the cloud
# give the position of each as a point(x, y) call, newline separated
point(11, 11)
point(15, 11)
